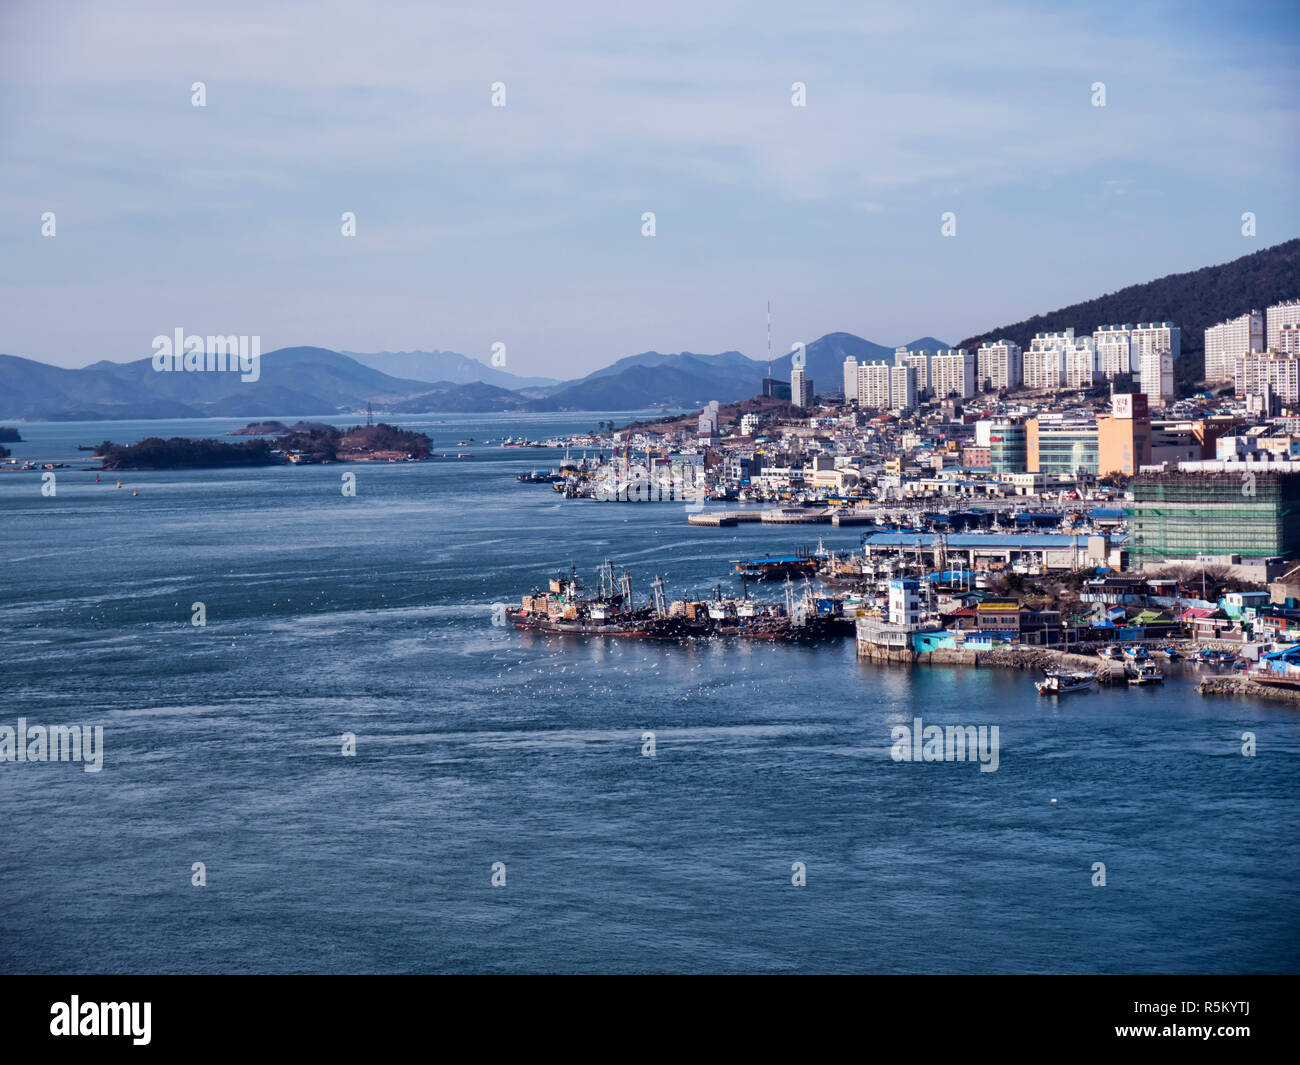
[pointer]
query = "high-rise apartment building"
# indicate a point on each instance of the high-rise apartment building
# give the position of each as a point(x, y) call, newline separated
point(1275, 377)
point(1228, 341)
point(999, 365)
point(1288, 340)
point(1114, 352)
point(1044, 362)
point(1285, 313)
point(1156, 348)
point(920, 362)
point(902, 387)
point(801, 388)
point(873, 385)
point(1080, 364)
point(952, 373)
point(851, 380)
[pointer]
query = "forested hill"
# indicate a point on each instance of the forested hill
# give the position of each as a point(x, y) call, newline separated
point(1192, 301)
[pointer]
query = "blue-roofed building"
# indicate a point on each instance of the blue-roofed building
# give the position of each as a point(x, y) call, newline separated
point(1059, 552)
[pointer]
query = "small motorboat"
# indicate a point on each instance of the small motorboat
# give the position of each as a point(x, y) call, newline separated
point(1136, 652)
point(1060, 682)
point(1110, 652)
point(1146, 673)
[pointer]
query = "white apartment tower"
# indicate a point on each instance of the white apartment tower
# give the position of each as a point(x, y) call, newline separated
point(1080, 364)
point(1044, 362)
point(999, 365)
point(850, 380)
point(1156, 347)
point(801, 388)
point(1288, 339)
point(1228, 341)
point(1114, 352)
point(902, 387)
point(1275, 377)
point(873, 385)
point(1280, 314)
point(919, 361)
point(953, 372)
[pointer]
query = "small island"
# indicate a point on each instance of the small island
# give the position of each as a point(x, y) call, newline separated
point(182, 453)
point(9, 436)
point(312, 443)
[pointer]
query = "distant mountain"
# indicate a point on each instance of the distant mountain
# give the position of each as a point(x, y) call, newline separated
point(1192, 301)
point(927, 344)
point(453, 398)
point(291, 381)
point(824, 358)
point(312, 381)
point(655, 379)
point(440, 366)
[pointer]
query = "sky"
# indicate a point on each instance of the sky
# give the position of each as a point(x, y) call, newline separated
point(523, 224)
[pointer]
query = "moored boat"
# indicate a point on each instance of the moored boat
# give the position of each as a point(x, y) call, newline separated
point(1146, 673)
point(1061, 682)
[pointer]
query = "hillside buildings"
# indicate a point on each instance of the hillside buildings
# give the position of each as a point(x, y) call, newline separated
point(1270, 379)
point(1114, 352)
point(1044, 362)
point(952, 373)
point(1277, 316)
point(1226, 342)
point(999, 366)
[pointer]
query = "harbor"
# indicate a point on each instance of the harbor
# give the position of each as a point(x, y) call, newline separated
point(902, 625)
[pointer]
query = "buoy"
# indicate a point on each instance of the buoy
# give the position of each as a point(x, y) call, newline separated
point(97, 478)
point(1053, 800)
point(136, 492)
point(119, 484)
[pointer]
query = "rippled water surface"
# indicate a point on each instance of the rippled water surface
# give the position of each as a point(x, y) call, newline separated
point(476, 744)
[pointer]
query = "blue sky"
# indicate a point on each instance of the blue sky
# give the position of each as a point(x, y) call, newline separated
point(522, 224)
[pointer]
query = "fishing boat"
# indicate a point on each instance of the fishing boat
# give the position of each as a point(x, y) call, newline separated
point(1110, 652)
point(538, 477)
point(1061, 682)
point(1136, 652)
point(1146, 673)
point(768, 568)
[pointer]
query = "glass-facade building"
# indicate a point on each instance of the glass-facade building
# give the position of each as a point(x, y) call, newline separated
point(1179, 515)
point(1008, 447)
point(1067, 450)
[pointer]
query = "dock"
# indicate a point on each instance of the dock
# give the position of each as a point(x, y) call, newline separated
point(723, 519)
point(795, 516)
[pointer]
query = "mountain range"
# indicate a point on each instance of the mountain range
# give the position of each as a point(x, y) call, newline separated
point(448, 366)
point(316, 381)
point(307, 381)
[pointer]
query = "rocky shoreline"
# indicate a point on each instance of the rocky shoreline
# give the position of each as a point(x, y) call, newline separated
point(1245, 688)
